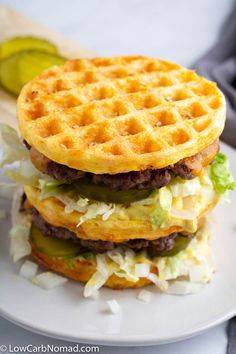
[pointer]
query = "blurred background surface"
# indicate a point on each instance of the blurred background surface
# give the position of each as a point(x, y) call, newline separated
point(176, 30)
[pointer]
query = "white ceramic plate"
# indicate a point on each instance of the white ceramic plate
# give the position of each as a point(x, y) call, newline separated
point(64, 313)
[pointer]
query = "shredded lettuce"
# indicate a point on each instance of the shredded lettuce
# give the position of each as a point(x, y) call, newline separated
point(15, 158)
point(184, 200)
point(24, 173)
point(125, 267)
point(195, 264)
point(13, 149)
point(185, 188)
point(68, 195)
point(50, 187)
point(221, 176)
point(20, 246)
point(16, 216)
point(162, 209)
point(95, 209)
point(99, 278)
point(161, 284)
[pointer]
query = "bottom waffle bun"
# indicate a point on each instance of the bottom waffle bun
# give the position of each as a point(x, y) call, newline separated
point(114, 229)
point(84, 269)
point(197, 255)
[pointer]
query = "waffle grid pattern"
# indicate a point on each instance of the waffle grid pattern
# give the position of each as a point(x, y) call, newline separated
point(111, 115)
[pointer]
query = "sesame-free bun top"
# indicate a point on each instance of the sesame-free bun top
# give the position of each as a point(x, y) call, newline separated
point(120, 114)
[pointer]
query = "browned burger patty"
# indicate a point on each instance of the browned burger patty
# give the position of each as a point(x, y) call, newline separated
point(187, 168)
point(161, 244)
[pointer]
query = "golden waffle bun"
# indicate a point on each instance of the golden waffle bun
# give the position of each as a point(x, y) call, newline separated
point(114, 229)
point(120, 114)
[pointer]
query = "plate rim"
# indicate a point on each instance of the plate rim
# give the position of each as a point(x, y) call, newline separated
point(112, 340)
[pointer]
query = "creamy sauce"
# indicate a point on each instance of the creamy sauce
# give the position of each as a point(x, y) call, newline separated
point(197, 202)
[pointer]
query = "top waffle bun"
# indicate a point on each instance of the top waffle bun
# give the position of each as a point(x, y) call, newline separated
point(120, 114)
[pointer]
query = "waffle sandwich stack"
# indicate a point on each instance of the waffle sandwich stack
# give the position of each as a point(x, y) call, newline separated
point(126, 154)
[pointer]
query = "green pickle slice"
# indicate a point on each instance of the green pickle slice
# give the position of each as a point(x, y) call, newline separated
point(9, 79)
point(53, 246)
point(21, 67)
point(181, 243)
point(66, 248)
point(18, 44)
point(32, 63)
point(104, 194)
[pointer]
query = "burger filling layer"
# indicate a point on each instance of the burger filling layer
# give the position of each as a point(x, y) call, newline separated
point(187, 168)
point(169, 245)
point(179, 203)
point(184, 272)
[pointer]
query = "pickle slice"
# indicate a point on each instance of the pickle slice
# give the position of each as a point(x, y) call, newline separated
point(31, 63)
point(18, 44)
point(104, 194)
point(21, 67)
point(53, 246)
point(9, 79)
point(181, 242)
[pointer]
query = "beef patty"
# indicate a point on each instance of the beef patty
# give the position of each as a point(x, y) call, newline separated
point(161, 244)
point(187, 168)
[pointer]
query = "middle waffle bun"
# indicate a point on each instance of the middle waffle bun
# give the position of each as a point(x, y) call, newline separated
point(118, 228)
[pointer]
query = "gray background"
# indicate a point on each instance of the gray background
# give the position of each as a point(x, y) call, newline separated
point(178, 30)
